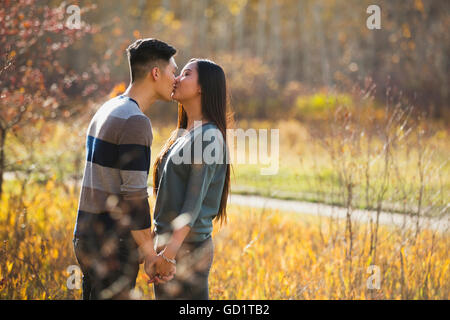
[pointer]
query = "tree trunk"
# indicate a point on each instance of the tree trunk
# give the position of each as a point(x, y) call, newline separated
point(275, 49)
point(261, 32)
point(203, 26)
point(322, 43)
point(305, 42)
point(2, 157)
point(239, 25)
point(293, 51)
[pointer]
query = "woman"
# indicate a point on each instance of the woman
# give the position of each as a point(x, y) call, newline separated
point(191, 190)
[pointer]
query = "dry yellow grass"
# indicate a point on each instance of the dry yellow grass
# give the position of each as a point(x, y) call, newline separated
point(258, 254)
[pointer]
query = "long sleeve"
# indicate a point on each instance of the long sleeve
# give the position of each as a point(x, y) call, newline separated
point(200, 177)
point(202, 171)
point(134, 163)
point(191, 187)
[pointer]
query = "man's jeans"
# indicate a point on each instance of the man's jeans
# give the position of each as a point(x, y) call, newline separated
point(109, 265)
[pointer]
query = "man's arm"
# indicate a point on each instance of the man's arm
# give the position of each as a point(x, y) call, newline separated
point(137, 212)
point(134, 162)
point(144, 240)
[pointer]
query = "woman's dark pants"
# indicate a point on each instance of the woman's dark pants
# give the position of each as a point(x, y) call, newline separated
point(190, 282)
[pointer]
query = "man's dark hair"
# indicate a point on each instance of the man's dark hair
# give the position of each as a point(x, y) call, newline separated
point(145, 54)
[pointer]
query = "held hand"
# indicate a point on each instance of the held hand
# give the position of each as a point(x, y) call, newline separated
point(141, 256)
point(160, 279)
point(149, 267)
point(164, 270)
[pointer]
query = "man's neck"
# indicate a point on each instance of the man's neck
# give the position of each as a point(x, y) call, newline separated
point(145, 97)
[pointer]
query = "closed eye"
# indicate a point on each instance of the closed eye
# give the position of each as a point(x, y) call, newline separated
point(187, 72)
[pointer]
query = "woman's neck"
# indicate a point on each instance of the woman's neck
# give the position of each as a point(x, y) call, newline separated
point(191, 121)
point(194, 114)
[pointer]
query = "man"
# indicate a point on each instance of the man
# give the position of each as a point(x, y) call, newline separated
point(112, 233)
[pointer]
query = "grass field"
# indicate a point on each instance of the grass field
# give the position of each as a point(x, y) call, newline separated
point(259, 254)
point(306, 171)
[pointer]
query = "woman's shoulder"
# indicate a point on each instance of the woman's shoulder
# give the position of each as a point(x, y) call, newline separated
point(206, 129)
point(212, 133)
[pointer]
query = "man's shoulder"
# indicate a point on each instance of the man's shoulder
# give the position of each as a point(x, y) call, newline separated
point(123, 109)
point(117, 115)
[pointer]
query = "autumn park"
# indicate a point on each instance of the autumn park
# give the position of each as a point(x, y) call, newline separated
point(349, 199)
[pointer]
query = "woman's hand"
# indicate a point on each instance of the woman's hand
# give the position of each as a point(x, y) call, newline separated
point(164, 268)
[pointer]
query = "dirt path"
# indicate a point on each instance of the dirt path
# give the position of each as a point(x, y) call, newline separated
point(319, 209)
point(362, 216)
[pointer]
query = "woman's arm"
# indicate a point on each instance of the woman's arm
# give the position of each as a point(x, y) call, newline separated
point(162, 265)
point(200, 176)
point(176, 241)
point(199, 179)
point(152, 262)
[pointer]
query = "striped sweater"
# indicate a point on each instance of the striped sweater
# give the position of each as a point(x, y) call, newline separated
point(113, 196)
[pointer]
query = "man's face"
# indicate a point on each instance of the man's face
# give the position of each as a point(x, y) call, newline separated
point(167, 80)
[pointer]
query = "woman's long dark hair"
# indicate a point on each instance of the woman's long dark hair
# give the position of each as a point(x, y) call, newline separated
point(211, 79)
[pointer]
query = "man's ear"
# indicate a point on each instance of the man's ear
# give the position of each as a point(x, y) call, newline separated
point(155, 73)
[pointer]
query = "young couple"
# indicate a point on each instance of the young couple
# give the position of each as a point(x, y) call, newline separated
point(113, 233)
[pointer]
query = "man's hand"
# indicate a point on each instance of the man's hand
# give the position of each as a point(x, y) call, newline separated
point(157, 270)
point(149, 267)
point(141, 256)
point(164, 270)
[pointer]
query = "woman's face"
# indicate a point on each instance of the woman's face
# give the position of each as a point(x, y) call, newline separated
point(186, 87)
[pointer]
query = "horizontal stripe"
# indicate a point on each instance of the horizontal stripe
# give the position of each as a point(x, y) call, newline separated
point(119, 107)
point(103, 178)
point(134, 130)
point(134, 194)
point(124, 156)
point(134, 157)
point(96, 201)
point(107, 129)
point(118, 161)
point(102, 152)
point(137, 130)
point(134, 184)
point(124, 108)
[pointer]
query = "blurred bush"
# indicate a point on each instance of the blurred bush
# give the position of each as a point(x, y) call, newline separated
point(320, 104)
